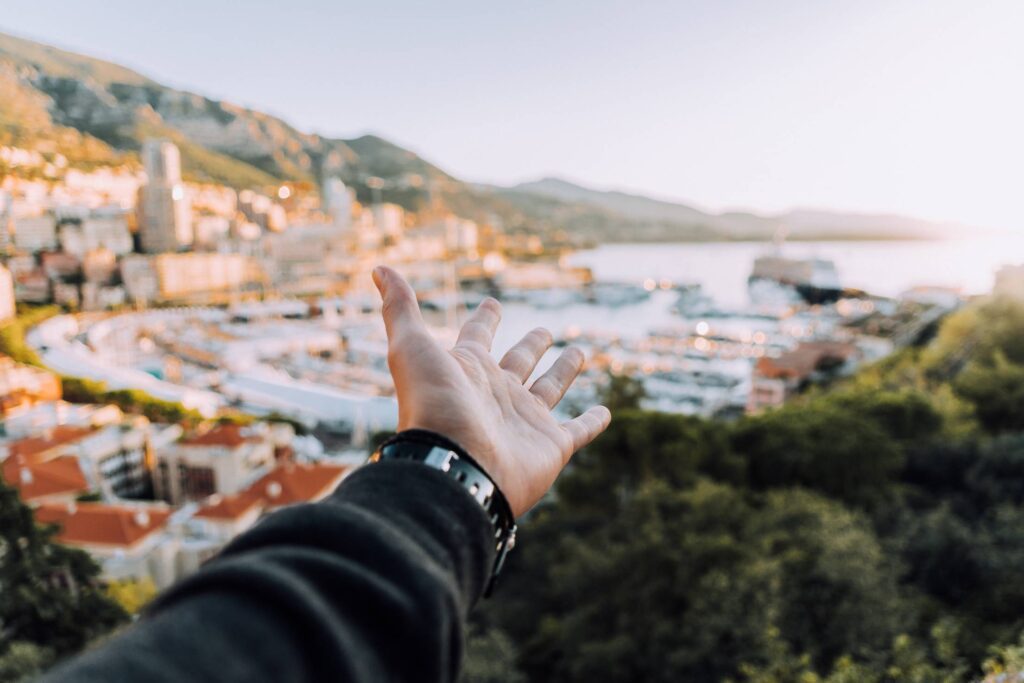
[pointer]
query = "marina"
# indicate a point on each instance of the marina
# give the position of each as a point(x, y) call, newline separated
point(322, 361)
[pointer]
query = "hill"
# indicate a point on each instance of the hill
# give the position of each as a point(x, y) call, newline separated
point(641, 218)
point(97, 112)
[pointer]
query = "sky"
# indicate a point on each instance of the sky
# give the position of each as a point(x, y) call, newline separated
point(906, 106)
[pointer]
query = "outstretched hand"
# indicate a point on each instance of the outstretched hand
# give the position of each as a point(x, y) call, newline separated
point(481, 404)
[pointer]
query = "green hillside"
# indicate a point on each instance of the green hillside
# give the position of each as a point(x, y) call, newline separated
point(871, 533)
point(50, 94)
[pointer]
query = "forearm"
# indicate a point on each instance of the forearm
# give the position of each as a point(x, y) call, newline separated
point(372, 584)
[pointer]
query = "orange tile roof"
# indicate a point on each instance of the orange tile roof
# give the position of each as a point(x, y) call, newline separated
point(102, 524)
point(32, 447)
point(287, 484)
point(291, 483)
point(804, 359)
point(229, 435)
point(39, 479)
point(229, 507)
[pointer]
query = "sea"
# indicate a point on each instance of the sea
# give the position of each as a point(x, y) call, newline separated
point(884, 268)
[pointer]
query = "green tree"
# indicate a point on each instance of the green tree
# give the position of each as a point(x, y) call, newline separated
point(49, 594)
point(819, 446)
point(996, 389)
point(24, 661)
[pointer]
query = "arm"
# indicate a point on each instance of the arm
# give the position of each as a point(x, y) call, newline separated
point(374, 583)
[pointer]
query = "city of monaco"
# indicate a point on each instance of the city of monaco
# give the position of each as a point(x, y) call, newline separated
point(250, 252)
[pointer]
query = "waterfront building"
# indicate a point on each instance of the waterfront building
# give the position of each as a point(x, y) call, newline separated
point(165, 213)
point(775, 380)
point(203, 276)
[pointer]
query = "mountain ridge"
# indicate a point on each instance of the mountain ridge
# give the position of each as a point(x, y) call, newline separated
point(799, 223)
point(98, 112)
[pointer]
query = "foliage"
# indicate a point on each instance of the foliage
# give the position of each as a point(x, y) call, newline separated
point(79, 390)
point(50, 594)
point(490, 658)
point(131, 594)
point(1006, 660)
point(24, 661)
point(12, 333)
point(871, 532)
point(623, 392)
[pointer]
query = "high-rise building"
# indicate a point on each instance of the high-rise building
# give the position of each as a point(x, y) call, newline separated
point(165, 214)
point(338, 203)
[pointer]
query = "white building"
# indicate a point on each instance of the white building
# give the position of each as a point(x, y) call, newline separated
point(389, 219)
point(7, 307)
point(140, 280)
point(165, 213)
point(100, 230)
point(222, 460)
point(35, 232)
point(128, 541)
point(338, 202)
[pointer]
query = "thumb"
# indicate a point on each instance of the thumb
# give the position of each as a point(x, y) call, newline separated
point(401, 311)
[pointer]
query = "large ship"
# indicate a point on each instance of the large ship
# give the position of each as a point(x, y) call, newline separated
point(813, 280)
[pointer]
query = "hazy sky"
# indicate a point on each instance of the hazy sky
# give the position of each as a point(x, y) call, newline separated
point(874, 105)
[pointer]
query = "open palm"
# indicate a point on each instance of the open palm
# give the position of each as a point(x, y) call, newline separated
point(483, 405)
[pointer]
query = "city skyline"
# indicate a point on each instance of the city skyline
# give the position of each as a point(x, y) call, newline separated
point(886, 108)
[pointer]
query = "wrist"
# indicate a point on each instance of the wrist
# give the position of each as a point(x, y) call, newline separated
point(446, 455)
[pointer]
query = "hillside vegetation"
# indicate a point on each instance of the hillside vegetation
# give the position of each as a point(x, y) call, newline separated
point(94, 111)
point(871, 532)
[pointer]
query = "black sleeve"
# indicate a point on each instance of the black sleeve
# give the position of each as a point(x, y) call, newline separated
point(371, 584)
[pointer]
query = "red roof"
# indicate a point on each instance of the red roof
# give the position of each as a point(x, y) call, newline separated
point(804, 359)
point(33, 480)
point(291, 483)
point(102, 524)
point(229, 435)
point(287, 484)
point(32, 446)
point(231, 506)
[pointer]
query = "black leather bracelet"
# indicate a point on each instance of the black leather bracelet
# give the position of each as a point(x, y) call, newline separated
point(443, 454)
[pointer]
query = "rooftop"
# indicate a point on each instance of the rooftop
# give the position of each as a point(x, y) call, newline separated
point(229, 435)
point(804, 359)
point(292, 483)
point(287, 484)
point(221, 507)
point(32, 447)
point(61, 475)
point(102, 524)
